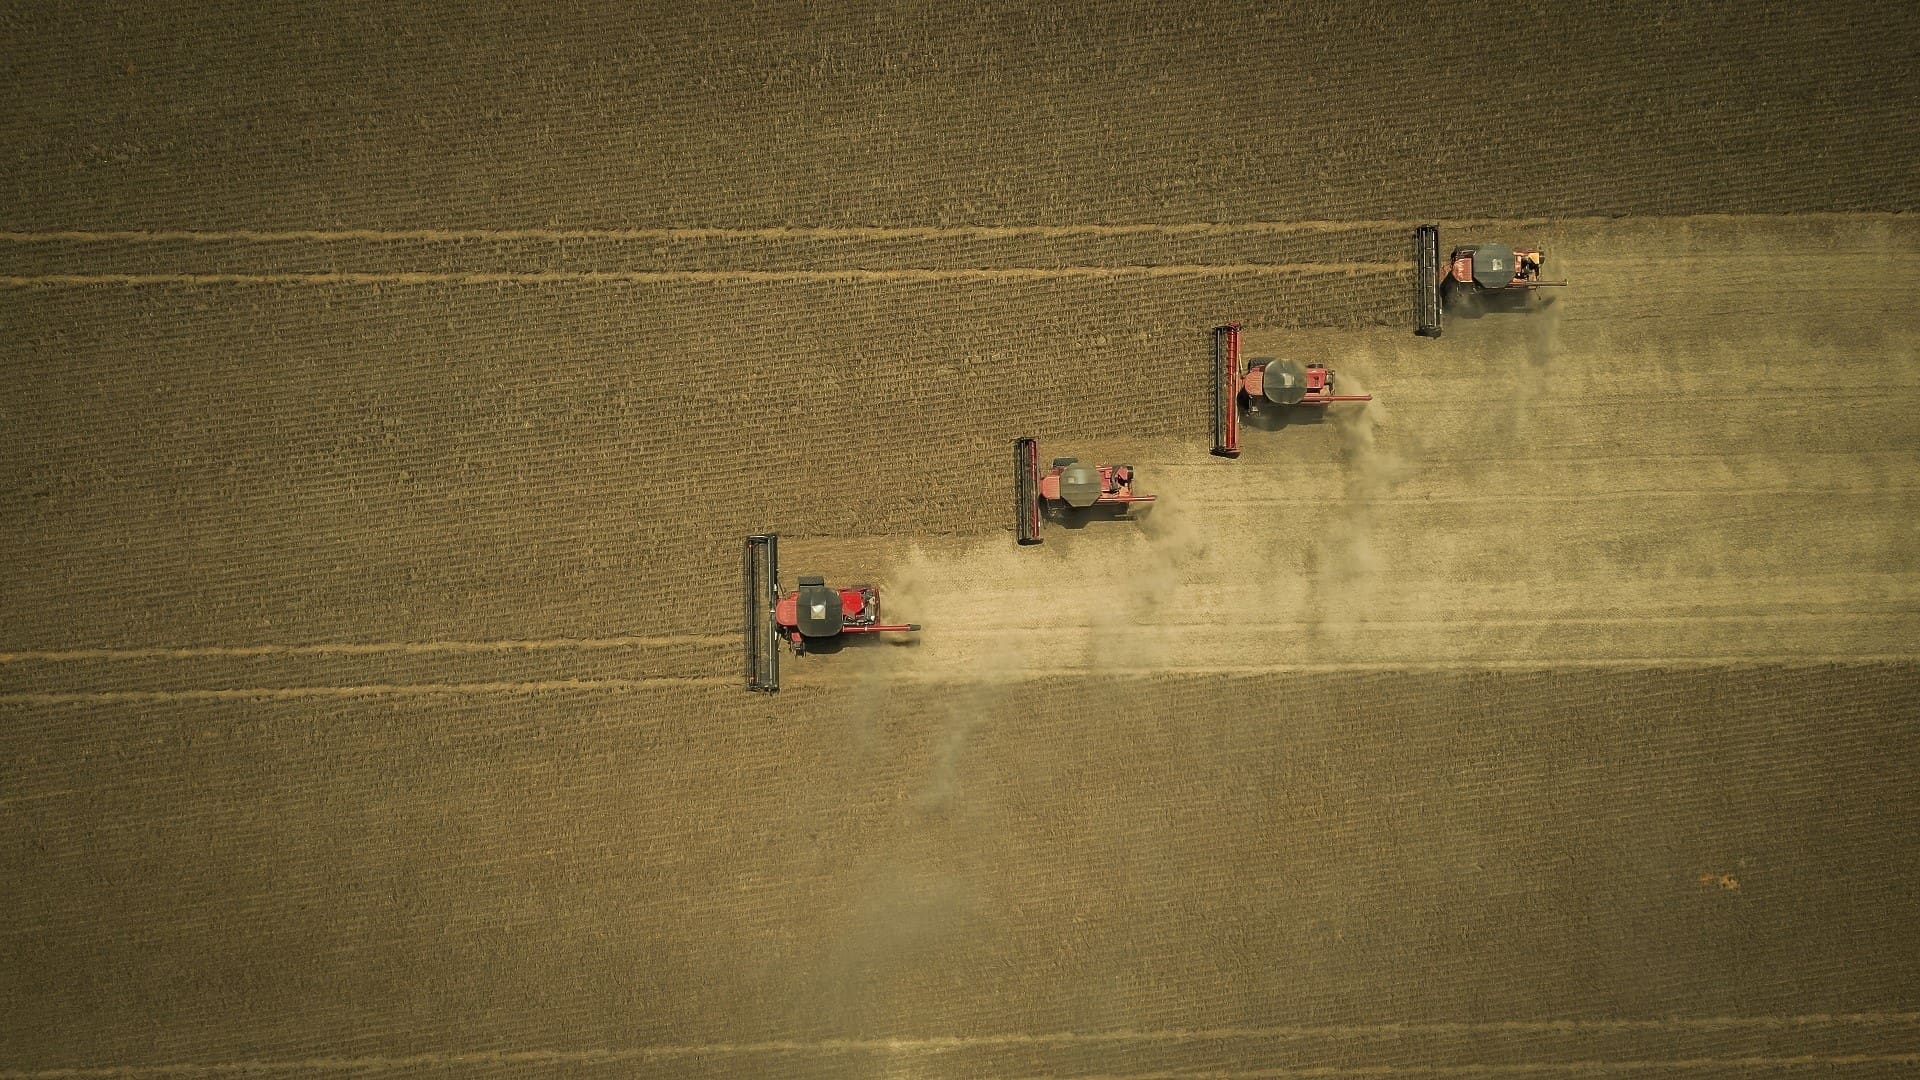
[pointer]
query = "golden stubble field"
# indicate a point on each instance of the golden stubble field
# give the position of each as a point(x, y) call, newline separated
point(1405, 714)
point(385, 395)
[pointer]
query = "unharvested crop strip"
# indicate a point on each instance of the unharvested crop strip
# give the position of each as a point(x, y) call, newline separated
point(653, 277)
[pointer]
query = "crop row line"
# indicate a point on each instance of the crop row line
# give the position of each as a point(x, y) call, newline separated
point(832, 232)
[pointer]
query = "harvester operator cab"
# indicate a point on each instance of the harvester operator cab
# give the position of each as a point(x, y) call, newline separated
point(1529, 265)
point(817, 609)
point(1121, 476)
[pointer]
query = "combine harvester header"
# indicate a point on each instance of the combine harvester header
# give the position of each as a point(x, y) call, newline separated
point(762, 577)
point(1426, 281)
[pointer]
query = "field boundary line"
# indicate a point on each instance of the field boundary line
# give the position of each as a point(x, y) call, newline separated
point(937, 677)
point(935, 1044)
point(348, 648)
point(651, 277)
point(864, 232)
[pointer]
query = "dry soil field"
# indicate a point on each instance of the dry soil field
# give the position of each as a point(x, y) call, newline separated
point(385, 395)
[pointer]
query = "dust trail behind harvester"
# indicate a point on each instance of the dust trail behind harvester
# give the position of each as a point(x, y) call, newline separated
point(1174, 589)
point(1347, 560)
point(1633, 471)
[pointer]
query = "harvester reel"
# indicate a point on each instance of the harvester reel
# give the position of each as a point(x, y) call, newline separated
point(1426, 281)
point(1026, 490)
point(761, 573)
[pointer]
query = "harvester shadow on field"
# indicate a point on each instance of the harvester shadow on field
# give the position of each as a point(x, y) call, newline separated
point(1466, 305)
point(856, 643)
point(1067, 517)
point(1276, 419)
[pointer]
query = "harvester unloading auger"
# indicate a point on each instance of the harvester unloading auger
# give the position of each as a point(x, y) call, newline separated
point(1265, 383)
point(1067, 487)
point(814, 611)
point(1471, 274)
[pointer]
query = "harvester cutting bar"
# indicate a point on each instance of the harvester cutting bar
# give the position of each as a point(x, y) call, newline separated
point(1026, 490)
point(761, 579)
point(1226, 390)
point(1426, 281)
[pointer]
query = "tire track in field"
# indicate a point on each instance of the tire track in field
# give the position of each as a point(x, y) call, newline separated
point(1387, 1032)
point(654, 277)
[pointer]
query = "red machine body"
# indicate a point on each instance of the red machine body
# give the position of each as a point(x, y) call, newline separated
point(1263, 384)
point(1318, 386)
point(1525, 264)
point(1116, 485)
point(831, 611)
point(1065, 487)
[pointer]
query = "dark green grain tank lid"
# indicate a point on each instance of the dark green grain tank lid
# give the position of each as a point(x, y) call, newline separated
point(1079, 485)
point(817, 609)
point(1493, 265)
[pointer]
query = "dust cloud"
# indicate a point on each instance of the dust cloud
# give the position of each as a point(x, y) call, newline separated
point(1348, 562)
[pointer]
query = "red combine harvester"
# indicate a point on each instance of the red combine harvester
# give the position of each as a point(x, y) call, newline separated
point(1477, 273)
point(1264, 383)
point(815, 611)
point(1065, 488)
